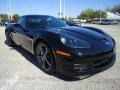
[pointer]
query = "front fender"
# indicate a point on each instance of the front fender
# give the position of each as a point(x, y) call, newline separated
point(94, 29)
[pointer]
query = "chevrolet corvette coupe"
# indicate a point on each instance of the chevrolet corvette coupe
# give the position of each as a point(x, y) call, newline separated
point(70, 50)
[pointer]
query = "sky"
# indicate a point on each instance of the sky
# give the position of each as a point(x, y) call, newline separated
point(51, 7)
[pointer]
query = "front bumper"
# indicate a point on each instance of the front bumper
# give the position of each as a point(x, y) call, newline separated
point(75, 66)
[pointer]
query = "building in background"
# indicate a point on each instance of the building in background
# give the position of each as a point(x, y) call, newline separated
point(112, 15)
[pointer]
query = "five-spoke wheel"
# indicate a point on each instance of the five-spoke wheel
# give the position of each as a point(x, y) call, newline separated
point(45, 57)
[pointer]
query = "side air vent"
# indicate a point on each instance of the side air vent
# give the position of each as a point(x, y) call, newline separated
point(29, 45)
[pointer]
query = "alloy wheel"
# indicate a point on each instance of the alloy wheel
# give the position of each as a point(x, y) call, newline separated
point(44, 56)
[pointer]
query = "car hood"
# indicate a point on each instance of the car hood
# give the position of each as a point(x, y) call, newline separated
point(99, 41)
point(79, 32)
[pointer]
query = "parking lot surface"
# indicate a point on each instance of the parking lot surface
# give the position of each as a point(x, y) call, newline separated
point(19, 71)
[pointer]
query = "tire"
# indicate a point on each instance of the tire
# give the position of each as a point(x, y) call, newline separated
point(9, 40)
point(45, 57)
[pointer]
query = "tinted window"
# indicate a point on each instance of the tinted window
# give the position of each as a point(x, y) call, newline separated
point(44, 21)
point(22, 22)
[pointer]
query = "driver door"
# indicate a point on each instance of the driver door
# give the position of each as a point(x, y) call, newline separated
point(18, 33)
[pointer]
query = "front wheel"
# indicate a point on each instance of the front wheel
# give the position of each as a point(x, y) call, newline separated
point(45, 57)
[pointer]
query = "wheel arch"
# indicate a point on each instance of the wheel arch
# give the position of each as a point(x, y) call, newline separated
point(48, 44)
point(40, 40)
point(6, 30)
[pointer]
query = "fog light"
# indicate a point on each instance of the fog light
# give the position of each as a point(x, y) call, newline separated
point(80, 67)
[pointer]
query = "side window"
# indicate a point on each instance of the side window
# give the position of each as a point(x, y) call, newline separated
point(22, 22)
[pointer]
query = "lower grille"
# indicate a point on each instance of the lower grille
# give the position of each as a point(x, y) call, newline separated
point(101, 62)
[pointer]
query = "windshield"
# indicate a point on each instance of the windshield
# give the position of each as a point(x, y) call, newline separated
point(44, 21)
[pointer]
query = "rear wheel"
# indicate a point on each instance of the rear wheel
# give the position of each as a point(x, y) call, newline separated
point(9, 40)
point(45, 57)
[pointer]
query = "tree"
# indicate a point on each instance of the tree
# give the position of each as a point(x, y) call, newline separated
point(100, 14)
point(88, 13)
point(115, 9)
point(16, 17)
point(91, 14)
point(4, 17)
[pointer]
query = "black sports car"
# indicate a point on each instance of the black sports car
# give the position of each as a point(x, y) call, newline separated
point(73, 51)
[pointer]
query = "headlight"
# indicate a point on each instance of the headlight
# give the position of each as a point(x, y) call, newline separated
point(73, 42)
